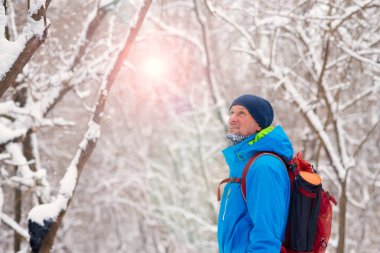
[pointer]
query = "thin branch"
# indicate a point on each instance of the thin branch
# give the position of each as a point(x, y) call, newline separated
point(14, 225)
point(365, 139)
point(357, 98)
point(357, 56)
point(352, 13)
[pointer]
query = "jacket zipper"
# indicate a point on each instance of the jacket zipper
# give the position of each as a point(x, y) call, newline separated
point(225, 205)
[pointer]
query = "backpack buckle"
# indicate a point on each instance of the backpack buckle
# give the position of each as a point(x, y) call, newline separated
point(234, 180)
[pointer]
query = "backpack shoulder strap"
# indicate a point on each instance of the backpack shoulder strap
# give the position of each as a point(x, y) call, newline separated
point(248, 165)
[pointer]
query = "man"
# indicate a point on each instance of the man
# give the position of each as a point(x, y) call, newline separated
point(258, 223)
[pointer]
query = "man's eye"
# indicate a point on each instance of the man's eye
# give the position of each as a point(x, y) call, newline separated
point(239, 113)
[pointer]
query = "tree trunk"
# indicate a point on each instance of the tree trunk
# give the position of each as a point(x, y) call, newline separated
point(342, 217)
point(18, 207)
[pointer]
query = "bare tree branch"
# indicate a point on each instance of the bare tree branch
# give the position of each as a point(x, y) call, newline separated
point(365, 139)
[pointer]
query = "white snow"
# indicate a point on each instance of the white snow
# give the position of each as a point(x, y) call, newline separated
point(15, 149)
point(9, 51)
point(14, 225)
point(51, 210)
point(57, 122)
point(92, 134)
point(69, 181)
point(6, 107)
point(93, 131)
point(7, 134)
point(4, 156)
point(104, 3)
point(48, 211)
point(36, 5)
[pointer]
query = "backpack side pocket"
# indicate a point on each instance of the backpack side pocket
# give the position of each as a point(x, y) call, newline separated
point(304, 211)
point(324, 223)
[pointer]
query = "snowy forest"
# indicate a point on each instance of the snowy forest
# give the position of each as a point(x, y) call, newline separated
point(113, 115)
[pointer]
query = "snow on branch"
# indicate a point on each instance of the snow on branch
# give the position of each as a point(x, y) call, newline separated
point(13, 225)
point(50, 211)
point(15, 54)
point(351, 11)
point(25, 178)
point(7, 135)
point(357, 56)
point(92, 21)
point(371, 90)
point(359, 53)
point(19, 160)
point(9, 107)
point(60, 84)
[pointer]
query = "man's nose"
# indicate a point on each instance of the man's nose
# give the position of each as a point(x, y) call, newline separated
point(232, 118)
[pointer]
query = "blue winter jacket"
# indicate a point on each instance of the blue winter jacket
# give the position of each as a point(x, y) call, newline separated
point(257, 225)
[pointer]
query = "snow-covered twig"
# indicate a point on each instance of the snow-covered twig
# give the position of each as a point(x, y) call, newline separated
point(18, 158)
point(7, 135)
point(351, 11)
point(359, 97)
point(358, 56)
point(365, 139)
point(14, 225)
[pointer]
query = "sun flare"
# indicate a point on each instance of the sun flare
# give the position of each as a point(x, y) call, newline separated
point(153, 67)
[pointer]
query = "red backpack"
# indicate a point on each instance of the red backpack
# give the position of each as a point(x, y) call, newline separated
point(310, 211)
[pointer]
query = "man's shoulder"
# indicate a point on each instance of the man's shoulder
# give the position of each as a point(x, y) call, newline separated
point(268, 164)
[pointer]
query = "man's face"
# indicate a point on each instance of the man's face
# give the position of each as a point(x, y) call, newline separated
point(241, 122)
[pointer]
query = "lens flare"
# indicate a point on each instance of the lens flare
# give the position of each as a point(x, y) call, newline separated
point(153, 67)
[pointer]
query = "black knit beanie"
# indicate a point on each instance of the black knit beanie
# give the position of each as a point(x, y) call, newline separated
point(259, 108)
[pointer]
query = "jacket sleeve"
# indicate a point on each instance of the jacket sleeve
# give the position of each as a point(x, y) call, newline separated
point(267, 195)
